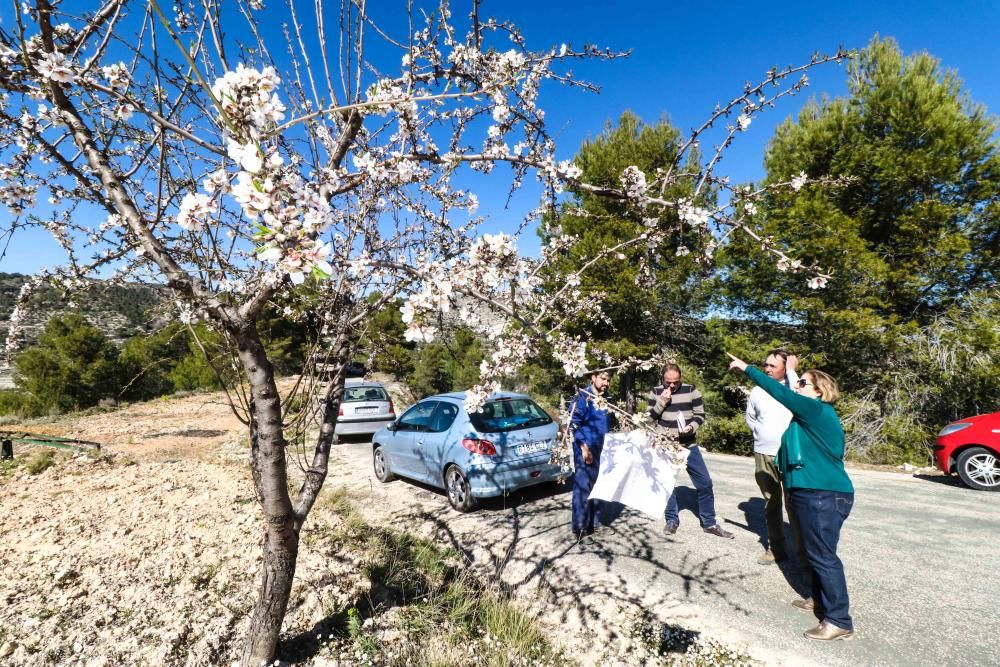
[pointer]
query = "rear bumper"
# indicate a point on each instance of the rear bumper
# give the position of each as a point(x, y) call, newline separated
point(495, 479)
point(361, 426)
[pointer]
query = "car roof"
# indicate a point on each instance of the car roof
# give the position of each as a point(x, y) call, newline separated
point(359, 382)
point(460, 396)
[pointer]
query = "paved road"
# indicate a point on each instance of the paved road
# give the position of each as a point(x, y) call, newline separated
point(920, 556)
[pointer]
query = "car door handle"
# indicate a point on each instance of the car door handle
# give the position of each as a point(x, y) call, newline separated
point(420, 442)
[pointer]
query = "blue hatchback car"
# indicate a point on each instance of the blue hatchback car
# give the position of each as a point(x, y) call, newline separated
point(504, 447)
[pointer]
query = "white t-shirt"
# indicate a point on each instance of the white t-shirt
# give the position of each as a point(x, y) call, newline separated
point(768, 418)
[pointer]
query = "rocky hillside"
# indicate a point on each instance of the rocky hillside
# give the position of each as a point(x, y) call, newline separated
point(119, 311)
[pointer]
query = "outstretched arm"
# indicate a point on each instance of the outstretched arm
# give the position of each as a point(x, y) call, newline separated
point(801, 406)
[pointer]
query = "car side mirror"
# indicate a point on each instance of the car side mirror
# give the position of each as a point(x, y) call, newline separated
point(392, 426)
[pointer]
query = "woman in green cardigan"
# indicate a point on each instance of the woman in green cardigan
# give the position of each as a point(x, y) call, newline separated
point(811, 460)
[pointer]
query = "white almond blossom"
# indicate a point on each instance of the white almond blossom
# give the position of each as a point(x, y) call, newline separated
point(217, 181)
point(475, 398)
point(247, 155)
point(124, 111)
point(633, 183)
point(195, 208)
point(57, 67)
point(694, 216)
point(572, 354)
point(248, 98)
point(117, 75)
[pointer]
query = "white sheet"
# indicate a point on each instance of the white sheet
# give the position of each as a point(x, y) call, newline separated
point(635, 474)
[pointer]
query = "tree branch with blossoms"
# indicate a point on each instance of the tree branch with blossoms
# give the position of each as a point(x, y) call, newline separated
point(225, 180)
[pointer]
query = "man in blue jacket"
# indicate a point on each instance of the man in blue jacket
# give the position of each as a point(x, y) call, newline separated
point(590, 424)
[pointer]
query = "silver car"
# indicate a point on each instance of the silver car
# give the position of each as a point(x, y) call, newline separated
point(364, 409)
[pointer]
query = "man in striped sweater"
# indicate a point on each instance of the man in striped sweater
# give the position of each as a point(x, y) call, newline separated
point(678, 408)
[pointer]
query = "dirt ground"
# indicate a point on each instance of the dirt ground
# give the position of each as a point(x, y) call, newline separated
point(147, 554)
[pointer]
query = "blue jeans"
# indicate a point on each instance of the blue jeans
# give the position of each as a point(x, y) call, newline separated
point(586, 513)
point(821, 515)
point(702, 481)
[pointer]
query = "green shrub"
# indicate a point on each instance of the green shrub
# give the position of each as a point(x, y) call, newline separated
point(73, 366)
point(14, 403)
point(727, 434)
point(39, 462)
point(450, 364)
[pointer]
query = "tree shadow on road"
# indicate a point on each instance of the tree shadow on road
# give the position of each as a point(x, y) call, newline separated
point(522, 552)
point(795, 573)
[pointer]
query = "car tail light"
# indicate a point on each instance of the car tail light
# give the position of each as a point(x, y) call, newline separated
point(340, 412)
point(479, 446)
point(392, 409)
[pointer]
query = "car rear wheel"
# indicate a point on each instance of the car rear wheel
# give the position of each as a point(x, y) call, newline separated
point(980, 468)
point(382, 471)
point(459, 492)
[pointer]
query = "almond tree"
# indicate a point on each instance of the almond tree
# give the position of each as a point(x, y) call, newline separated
point(314, 164)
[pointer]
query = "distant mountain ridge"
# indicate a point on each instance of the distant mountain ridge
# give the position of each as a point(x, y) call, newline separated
point(120, 311)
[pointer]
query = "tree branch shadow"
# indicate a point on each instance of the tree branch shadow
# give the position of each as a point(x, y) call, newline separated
point(525, 554)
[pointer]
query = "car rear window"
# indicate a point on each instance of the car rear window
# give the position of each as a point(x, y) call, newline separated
point(352, 394)
point(509, 414)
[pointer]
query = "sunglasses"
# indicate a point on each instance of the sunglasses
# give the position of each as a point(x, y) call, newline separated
point(805, 383)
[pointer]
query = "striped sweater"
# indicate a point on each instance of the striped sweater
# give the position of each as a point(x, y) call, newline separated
point(685, 405)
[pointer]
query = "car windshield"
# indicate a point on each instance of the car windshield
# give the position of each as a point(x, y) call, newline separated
point(509, 414)
point(352, 394)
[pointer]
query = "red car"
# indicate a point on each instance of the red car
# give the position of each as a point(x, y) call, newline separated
point(971, 447)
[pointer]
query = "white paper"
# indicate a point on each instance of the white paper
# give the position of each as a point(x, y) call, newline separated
point(636, 474)
point(681, 424)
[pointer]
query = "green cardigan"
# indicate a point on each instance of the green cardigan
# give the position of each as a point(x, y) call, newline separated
point(816, 432)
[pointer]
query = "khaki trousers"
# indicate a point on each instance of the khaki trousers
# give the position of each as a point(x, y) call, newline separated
point(769, 482)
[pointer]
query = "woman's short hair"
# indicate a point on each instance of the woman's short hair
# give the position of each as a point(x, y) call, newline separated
point(827, 387)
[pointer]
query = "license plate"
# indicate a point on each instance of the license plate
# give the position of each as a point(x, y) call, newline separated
point(532, 447)
point(365, 411)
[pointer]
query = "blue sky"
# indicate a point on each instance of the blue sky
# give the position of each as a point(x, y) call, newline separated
point(685, 58)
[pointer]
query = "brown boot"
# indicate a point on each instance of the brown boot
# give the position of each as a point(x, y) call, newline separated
point(804, 604)
point(719, 531)
point(828, 632)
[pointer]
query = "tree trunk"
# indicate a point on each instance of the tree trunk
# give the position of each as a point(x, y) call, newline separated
point(281, 537)
point(283, 521)
point(277, 575)
point(628, 390)
point(315, 474)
